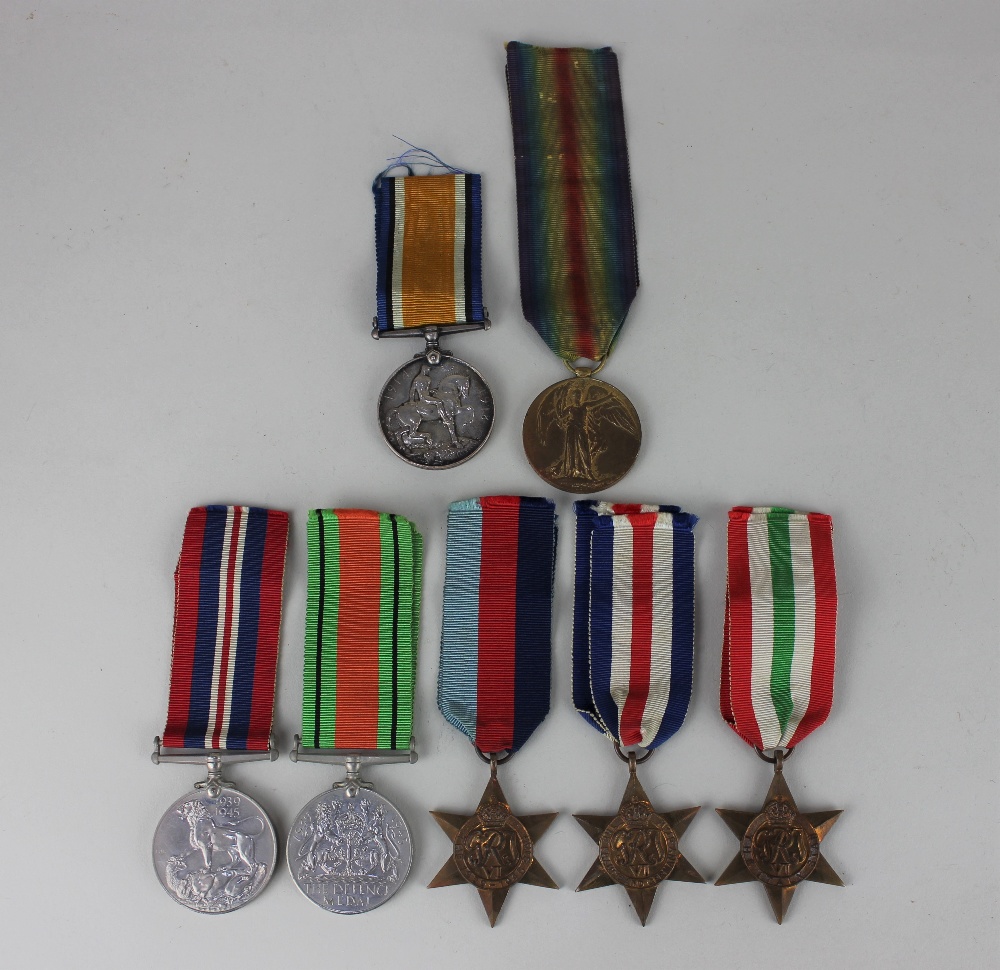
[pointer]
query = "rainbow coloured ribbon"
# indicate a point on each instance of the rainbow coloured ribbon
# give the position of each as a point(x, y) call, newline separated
point(496, 634)
point(362, 611)
point(576, 230)
point(227, 613)
point(781, 624)
point(633, 629)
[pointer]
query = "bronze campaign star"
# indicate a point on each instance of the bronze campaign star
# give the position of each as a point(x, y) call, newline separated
point(493, 849)
point(779, 846)
point(638, 848)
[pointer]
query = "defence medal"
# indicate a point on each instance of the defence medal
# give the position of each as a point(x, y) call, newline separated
point(777, 685)
point(577, 253)
point(435, 411)
point(633, 648)
point(349, 849)
point(493, 683)
point(214, 849)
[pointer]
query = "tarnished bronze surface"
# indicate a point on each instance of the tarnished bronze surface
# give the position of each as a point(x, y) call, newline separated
point(581, 435)
point(779, 846)
point(637, 849)
point(493, 848)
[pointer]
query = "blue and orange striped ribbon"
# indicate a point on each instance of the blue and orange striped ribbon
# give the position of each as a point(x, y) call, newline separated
point(428, 246)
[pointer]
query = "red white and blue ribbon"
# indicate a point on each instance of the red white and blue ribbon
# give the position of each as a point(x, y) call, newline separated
point(633, 630)
point(781, 625)
point(496, 635)
point(226, 617)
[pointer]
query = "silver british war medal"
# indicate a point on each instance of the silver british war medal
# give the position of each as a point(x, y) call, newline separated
point(633, 652)
point(436, 411)
point(350, 849)
point(214, 850)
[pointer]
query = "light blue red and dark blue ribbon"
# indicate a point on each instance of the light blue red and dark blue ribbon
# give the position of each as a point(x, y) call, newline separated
point(227, 614)
point(496, 636)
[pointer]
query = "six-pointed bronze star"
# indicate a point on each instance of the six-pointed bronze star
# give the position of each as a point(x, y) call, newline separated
point(638, 848)
point(493, 849)
point(779, 846)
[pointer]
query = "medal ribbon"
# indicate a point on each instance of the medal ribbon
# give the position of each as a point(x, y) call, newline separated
point(362, 612)
point(576, 230)
point(227, 612)
point(496, 634)
point(428, 247)
point(633, 629)
point(781, 623)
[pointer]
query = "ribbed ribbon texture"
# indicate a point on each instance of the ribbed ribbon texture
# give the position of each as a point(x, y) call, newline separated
point(428, 247)
point(496, 634)
point(781, 623)
point(362, 612)
point(575, 226)
point(227, 613)
point(633, 625)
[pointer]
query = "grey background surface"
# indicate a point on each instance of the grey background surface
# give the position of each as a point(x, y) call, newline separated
point(186, 289)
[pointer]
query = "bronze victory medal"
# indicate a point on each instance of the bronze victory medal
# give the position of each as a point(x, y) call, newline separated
point(779, 846)
point(638, 848)
point(493, 849)
point(581, 435)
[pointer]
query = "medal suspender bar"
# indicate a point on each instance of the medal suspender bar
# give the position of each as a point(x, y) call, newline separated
point(777, 685)
point(227, 612)
point(362, 612)
point(435, 411)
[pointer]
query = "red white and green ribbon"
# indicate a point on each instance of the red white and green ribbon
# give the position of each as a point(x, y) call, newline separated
point(362, 612)
point(781, 623)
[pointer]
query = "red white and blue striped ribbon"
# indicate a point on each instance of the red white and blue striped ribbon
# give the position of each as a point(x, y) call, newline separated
point(227, 613)
point(633, 630)
point(496, 635)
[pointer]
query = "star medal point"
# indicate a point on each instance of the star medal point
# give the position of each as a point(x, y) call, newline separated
point(493, 848)
point(779, 845)
point(638, 848)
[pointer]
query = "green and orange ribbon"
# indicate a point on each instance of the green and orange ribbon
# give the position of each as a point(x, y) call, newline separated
point(576, 230)
point(362, 612)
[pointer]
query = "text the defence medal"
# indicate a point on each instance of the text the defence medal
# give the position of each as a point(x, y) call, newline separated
point(214, 849)
point(349, 849)
point(633, 647)
point(577, 251)
point(777, 685)
point(494, 679)
point(435, 411)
